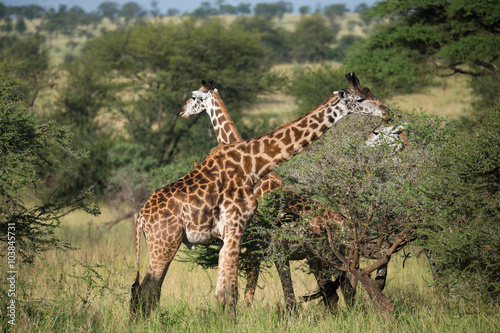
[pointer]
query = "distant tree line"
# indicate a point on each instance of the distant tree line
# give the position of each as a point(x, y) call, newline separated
point(314, 38)
point(66, 18)
point(131, 9)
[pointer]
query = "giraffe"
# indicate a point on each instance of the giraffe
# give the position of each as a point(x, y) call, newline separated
point(216, 199)
point(209, 101)
point(392, 135)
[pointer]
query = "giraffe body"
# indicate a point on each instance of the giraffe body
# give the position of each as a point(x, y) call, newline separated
point(216, 200)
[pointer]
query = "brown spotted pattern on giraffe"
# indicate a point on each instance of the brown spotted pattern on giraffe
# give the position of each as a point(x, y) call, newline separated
point(261, 163)
point(297, 134)
point(271, 148)
point(255, 149)
point(223, 135)
point(303, 123)
point(320, 116)
point(287, 139)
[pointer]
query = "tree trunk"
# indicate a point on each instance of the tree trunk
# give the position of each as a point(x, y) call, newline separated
point(374, 290)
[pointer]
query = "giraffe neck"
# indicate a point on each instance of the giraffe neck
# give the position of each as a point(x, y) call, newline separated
point(263, 154)
point(223, 124)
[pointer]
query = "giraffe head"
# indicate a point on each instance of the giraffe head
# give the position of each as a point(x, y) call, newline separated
point(393, 135)
point(197, 103)
point(359, 100)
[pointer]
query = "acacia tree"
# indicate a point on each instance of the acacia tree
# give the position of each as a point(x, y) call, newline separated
point(275, 9)
point(30, 62)
point(462, 194)
point(313, 39)
point(109, 9)
point(274, 39)
point(131, 10)
point(367, 186)
point(427, 38)
point(26, 150)
point(79, 102)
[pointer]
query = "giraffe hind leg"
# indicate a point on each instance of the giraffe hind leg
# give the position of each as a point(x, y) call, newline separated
point(145, 297)
point(327, 289)
point(286, 282)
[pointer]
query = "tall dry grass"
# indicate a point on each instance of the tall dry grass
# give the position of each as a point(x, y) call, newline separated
point(449, 97)
point(88, 289)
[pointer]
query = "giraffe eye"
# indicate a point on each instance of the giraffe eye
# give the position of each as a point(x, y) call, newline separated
point(359, 100)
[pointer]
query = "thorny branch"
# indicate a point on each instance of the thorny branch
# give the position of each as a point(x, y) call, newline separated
point(398, 244)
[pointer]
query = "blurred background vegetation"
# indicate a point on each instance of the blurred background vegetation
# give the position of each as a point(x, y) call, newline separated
point(109, 85)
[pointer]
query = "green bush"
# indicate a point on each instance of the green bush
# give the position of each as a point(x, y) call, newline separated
point(26, 151)
point(462, 194)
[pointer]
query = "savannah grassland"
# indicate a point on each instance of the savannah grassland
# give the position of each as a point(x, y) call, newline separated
point(87, 289)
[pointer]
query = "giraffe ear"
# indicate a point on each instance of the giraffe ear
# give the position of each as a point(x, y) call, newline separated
point(341, 94)
point(199, 94)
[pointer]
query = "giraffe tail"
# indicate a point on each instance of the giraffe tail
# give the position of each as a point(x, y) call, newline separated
point(134, 301)
point(138, 227)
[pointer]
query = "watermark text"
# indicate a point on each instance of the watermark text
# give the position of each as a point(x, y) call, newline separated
point(11, 273)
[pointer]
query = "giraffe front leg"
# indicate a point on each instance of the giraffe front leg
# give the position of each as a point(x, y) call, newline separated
point(227, 277)
point(235, 215)
point(252, 273)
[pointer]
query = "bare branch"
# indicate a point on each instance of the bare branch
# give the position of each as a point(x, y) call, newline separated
point(112, 223)
point(335, 251)
point(368, 220)
point(399, 243)
point(328, 261)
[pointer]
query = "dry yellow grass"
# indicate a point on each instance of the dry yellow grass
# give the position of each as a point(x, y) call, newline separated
point(451, 99)
point(89, 290)
point(114, 250)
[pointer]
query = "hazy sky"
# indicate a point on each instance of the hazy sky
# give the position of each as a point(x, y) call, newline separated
point(183, 5)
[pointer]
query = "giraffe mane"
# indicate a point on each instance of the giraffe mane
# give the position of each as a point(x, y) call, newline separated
point(291, 123)
point(226, 114)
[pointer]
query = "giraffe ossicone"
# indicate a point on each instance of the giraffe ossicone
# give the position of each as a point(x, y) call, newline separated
point(216, 200)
